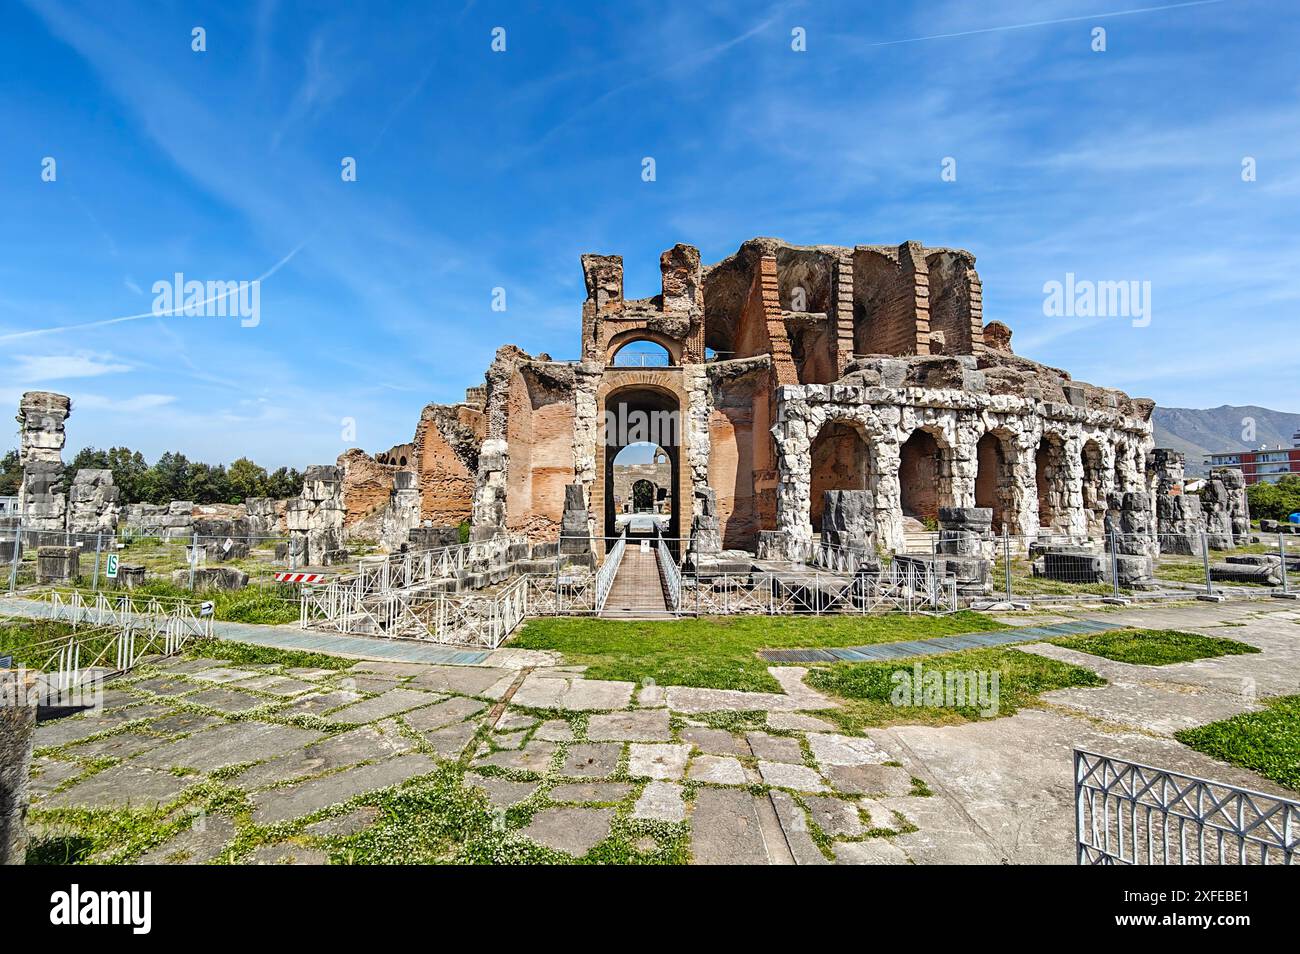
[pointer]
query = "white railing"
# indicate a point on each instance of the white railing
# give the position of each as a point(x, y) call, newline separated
point(608, 570)
point(818, 593)
point(150, 614)
point(827, 557)
point(422, 568)
point(1127, 813)
point(672, 576)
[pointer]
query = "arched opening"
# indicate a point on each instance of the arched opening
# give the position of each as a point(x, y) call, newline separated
point(924, 478)
point(1094, 490)
point(643, 497)
point(840, 461)
point(1049, 478)
point(995, 478)
point(641, 353)
point(642, 442)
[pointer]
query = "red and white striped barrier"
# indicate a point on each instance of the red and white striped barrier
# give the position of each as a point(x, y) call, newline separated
point(300, 577)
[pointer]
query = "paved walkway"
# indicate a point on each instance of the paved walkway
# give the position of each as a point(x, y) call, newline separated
point(937, 644)
point(587, 765)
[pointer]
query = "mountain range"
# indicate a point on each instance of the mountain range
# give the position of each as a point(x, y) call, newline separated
point(1197, 432)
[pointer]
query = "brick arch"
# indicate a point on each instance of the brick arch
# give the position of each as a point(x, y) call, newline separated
point(621, 340)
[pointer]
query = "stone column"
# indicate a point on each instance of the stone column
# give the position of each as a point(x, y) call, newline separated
point(17, 729)
point(889, 498)
point(41, 497)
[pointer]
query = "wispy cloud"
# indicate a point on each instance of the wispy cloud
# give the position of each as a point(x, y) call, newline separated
point(61, 367)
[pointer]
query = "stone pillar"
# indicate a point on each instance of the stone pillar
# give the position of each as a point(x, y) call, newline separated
point(575, 534)
point(17, 730)
point(1133, 539)
point(58, 564)
point(1073, 464)
point(315, 517)
point(849, 520)
point(706, 540)
point(1217, 506)
point(889, 494)
point(402, 513)
point(794, 465)
point(41, 497)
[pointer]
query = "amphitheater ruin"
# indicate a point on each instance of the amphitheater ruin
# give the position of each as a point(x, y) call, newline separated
point(799, 401)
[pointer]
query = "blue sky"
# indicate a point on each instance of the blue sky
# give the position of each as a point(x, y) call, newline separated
point(478, 170)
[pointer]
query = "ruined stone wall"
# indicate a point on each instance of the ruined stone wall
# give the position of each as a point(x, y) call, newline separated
point(956, 303)
point(885, 406)
point(445, 454)
point(890, 300)
point(93, 502)
point(367, 485)
point(539, 434)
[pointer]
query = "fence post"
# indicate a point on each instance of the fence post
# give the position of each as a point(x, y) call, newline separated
point(13, 569)
point(194, 558)
point(1281, 551)
point(99, 545)
point(1006, 556)
point(1205, 558)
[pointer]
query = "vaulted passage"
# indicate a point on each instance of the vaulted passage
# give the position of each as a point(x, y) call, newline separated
point(924, 478)
point(995, 479)
point(643, 424)
point(840, 461)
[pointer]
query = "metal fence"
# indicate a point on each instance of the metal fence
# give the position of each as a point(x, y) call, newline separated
point(1139, 566)
point(139, 558)
point(1133, 814)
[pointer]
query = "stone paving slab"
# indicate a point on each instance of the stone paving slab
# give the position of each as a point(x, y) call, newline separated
point(725, 828)
point(165, 686)
point(502, 792)
point(829, 749)
point(394, 670)
point(590, 792)
point(798, 777)
point(304, 798)
point(226, 700)
point(873, 851)
point(658, 760)
point(572, 830)
point(555, 730)
point(487, 681)
point(228, 744)
point(391, 703)
point(648, 725)
point(835, 816)
point(455, 709)
point(775, 748)
point(715, 741)
point(128, 785)
point(591, 760)
point(191, 665)
point(535, 757)
point(48, 774)
point(222, 674)
point(661, 801)
point(120, 746)
point(75, 728)
point(798, 722)
point(277, 685)
point(365, 744)
point(540, 691)
point(450, 741)
point(200, 844)
point(869, 779)
point(718, 769)
point(794, 824)
point(321, 702)
point(183, 721)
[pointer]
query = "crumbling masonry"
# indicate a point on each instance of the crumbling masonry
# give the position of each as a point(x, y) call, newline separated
point(790, 372)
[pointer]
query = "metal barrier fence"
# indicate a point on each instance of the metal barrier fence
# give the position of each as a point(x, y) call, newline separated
point(137, 558)
point(671, 575)
point(909, 589)
point(1135, 566)
point(608, 570)
point(1129, 813)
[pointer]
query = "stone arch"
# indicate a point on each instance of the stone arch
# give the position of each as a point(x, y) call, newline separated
point(1052, 483)
point(634, 335)
point(995, 477)
point(841, 459)
point(643, 495)
point(634, 414)
point(925, 474)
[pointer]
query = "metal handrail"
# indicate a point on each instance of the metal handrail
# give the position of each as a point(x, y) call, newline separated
point(608, 570)
point(672, 575)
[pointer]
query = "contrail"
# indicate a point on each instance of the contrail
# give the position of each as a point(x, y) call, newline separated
point(1038, 23)
point(147, 314)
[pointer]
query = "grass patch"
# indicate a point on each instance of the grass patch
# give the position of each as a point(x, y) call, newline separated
point(270, 604)
point(1266, 742)
point(1154, 647)
point(867, 689)
point(249, 654)
point(719, 652)
point(19, 637)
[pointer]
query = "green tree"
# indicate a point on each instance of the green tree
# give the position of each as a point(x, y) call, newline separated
point(284, 482)
point(246, 480)
point(207, 484)
point(1275, 501)
point(167, 479)
point(129, 469)
point(11, 474)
